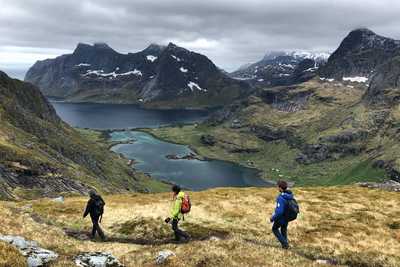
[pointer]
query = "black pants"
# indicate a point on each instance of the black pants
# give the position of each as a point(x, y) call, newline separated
point(96, 227)
point(178, 233)
point(280, 231)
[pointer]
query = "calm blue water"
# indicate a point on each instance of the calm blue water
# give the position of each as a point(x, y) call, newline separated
point(150, 154)
point(114, 116)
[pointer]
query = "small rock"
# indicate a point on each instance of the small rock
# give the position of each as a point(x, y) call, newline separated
point(326, 262)
point(214, 238)
point(59, 199)
point(163, 256)
point(97, 259)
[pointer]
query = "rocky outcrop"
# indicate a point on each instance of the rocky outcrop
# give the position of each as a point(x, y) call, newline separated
point(35, 255)
point(97, 259)
point(208, 140)
point(314, 153)
point(359, 55)
point(163, 256)
point(346, 137)
point(157, 74)
point(389, 185)
point(269, 133)
point(286, 99)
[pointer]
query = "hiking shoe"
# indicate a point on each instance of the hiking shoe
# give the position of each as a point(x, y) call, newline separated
point(286, 246)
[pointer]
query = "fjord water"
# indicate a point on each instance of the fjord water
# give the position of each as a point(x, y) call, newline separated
point(149, 152)
point(116, 116)
point(150, 155)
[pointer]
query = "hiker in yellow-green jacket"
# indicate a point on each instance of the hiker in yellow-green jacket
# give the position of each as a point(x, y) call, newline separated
point(176, 214)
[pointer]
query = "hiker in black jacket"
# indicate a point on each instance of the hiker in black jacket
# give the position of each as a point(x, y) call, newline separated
point(95, 207)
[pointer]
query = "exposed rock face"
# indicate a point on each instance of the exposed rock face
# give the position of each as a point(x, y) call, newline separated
point(286, 99)
point(281, 68)
point(314, 153)
point(346, 137)
point(208, 140)
point(36, 256)
point(359, 54)
point(384, 88)
point(100, 74)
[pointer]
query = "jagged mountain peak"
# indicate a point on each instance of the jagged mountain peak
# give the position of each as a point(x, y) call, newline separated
point(359, 54)
point(83, 48)
point(153, 47)
point(155, 74)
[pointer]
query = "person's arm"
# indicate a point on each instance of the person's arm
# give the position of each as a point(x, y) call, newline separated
point(102, 200)
point(176, 209)
point(87, 210)
point(279, 210)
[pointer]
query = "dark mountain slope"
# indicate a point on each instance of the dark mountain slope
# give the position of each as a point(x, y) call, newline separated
point(157, 76)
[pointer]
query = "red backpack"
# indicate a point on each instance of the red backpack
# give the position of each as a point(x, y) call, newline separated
point(186, 204)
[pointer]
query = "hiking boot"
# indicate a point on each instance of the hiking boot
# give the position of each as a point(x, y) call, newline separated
point(285, 246)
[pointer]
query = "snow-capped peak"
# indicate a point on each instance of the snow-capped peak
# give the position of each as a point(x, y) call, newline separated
point(317, 56)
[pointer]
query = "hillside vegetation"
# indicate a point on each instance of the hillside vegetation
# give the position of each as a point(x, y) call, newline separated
point(315, 133)
point(347, 225)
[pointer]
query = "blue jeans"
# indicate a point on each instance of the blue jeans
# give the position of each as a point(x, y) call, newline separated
point(280, 231)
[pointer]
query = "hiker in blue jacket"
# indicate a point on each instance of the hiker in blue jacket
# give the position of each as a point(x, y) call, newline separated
point(279, 219)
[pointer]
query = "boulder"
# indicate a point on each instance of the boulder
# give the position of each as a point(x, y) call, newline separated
point(59, 199)
point(208, 140)
point(97, 259)
point(36, 256)
point(163, 256)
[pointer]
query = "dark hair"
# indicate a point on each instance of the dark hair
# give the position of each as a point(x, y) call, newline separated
point(282, 184)
point(176, 189)
point(92, 193)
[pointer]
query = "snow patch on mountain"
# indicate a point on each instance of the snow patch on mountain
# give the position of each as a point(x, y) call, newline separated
point(176, 58)
point(358, 79)
point(151, 58)
point(112, 74)
point(83, 65)
point(182, 69)
point(193, 85)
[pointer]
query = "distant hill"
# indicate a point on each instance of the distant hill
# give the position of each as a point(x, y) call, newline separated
point(158, 76)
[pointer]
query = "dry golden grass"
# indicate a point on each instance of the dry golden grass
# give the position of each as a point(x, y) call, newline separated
point(351, 225)
point(9, 256)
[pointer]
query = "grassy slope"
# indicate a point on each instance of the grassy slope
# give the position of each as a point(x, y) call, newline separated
point(318, 119)
point(353, 226)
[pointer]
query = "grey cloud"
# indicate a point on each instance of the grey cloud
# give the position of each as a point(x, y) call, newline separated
point(230, 32)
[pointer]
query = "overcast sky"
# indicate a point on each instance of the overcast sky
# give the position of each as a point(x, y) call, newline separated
point(230, 32)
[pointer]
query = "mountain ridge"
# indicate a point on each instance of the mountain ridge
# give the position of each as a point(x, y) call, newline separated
point(157, 74)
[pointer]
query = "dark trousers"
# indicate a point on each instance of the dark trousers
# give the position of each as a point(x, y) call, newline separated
point(280, 231)
point(96, 227)
point(178, 233)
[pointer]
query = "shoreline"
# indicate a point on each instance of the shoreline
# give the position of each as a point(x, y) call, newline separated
point(107, 134)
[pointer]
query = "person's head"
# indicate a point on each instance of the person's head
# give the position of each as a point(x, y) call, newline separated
point(92, 193)
point(282, 185)
point(176, 189)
